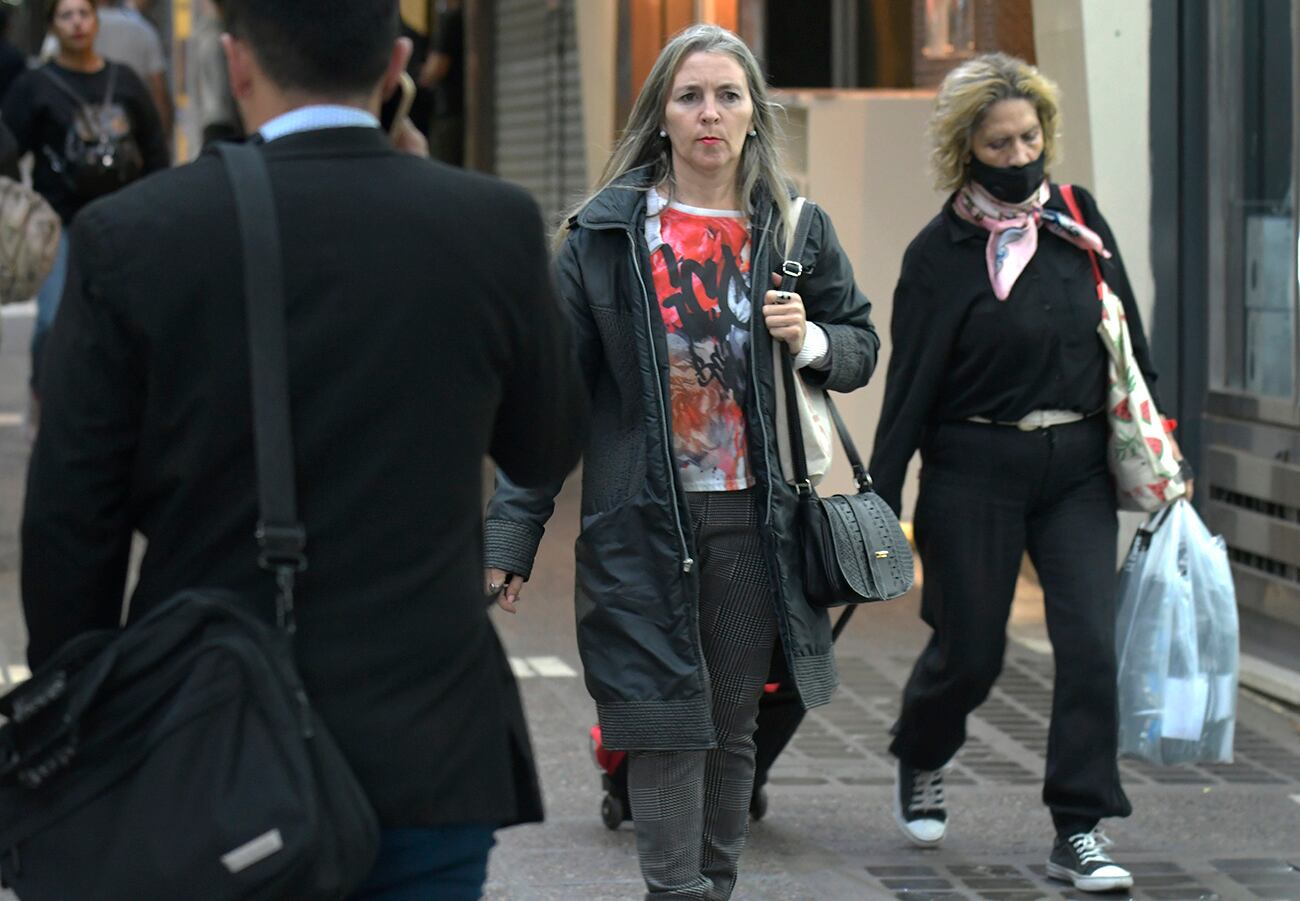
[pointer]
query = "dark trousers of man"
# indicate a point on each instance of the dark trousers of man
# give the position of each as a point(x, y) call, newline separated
point(988, 494)
point(446, 863)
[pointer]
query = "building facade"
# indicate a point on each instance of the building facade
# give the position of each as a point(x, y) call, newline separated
point(1226, 240)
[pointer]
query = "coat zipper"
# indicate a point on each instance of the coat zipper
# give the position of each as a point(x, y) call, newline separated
point(688, 562)
point(756, 291)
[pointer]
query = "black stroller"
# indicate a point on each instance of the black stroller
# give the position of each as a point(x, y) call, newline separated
point(779, 714)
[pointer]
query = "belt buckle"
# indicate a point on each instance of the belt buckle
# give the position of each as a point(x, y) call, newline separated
point(1031, 422)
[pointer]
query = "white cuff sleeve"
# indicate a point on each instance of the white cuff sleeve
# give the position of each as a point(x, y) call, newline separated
point(816, 349)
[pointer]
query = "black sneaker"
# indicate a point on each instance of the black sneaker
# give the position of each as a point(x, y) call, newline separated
point(1081, 859)
point(918, 805)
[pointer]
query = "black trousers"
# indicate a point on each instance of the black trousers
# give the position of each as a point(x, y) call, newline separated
point(988, 494)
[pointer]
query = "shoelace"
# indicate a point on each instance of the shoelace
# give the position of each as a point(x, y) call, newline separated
point(1089, 849)
point(927, 790)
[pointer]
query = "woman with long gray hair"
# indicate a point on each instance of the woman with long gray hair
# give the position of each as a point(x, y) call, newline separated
point(687, 569)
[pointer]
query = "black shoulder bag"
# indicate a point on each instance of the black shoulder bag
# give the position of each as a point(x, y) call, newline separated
point(852, 546)
point(180, 757)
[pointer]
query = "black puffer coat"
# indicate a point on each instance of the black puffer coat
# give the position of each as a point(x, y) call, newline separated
point(637, 588)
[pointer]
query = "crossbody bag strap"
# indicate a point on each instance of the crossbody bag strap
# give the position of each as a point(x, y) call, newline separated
point(1067, 194)
point(281, 536)
point(860, 475)
point(791, 272)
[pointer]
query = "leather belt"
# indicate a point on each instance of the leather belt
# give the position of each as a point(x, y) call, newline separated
point(1036, 419)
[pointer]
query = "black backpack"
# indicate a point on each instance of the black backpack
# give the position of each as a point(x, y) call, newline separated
point(100, 153)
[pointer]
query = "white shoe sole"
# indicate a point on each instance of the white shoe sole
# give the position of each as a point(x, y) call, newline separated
point(1088, 883)
point(906, 830)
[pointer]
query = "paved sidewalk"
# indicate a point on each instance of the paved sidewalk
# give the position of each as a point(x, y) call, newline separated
point(1197, 832)
point(1203, 832)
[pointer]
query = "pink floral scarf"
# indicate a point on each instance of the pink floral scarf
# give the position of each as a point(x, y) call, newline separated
point(1013, 231)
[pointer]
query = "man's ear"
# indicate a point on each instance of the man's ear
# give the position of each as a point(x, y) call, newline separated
point(397, 61)
point(239, 66)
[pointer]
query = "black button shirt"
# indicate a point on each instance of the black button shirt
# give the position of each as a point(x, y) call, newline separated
point(959, 352)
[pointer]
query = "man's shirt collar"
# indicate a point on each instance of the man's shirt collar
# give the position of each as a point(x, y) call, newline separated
point(315, 118)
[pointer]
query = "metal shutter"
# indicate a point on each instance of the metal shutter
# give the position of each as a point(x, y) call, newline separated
point(539, 102)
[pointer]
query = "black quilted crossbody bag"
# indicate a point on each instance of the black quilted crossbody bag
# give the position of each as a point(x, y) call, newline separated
point(852, 547)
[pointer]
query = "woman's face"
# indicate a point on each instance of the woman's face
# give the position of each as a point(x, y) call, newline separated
point(75, 25)
point(708, 115)
point(1009, 135)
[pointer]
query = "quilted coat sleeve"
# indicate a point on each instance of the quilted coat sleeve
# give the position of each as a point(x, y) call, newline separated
point(517, 514)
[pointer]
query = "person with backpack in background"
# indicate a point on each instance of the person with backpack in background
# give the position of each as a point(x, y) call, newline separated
point(91, 127)
point(13, 62)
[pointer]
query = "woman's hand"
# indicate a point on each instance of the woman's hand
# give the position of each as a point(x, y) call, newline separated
point(505, 587)
point(1178, 456)
point(785, 317)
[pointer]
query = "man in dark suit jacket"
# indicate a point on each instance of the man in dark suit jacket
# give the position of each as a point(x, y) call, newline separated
point(422, 334)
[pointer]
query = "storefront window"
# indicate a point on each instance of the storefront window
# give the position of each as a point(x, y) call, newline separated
point(1267, 201)
point(949, 28)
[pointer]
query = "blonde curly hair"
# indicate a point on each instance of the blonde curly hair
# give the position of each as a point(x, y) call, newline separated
point(965, 97)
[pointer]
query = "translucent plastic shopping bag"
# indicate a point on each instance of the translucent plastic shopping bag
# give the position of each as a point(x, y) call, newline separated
point(1177, 643)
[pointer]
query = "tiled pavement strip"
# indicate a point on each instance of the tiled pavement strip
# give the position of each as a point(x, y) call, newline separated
point(828, 832)
point(1197, 832)
point(1201, 832)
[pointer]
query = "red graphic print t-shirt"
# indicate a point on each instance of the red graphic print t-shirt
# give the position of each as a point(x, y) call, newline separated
point(700, 263)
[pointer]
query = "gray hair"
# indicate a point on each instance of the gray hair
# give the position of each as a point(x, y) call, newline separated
point(640, 144)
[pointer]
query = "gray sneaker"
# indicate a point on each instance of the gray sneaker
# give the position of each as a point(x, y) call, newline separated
point(1081, 859)
point(918, 805)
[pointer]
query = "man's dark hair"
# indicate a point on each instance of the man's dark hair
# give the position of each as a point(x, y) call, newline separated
point(326, 47)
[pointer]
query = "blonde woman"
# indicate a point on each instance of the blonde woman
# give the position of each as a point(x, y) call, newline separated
point(999, 378)
point(687, 569)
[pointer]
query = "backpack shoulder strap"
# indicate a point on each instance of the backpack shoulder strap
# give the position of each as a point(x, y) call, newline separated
point(112, 81)
point(62, 84)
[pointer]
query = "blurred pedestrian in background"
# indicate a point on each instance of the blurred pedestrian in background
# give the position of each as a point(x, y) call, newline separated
point(999, 377)
point(443, 73)
point(417, 24)
point(214, 106)
point(126, 36)
point(687, 564)
point(13, 62)
point(91, 127)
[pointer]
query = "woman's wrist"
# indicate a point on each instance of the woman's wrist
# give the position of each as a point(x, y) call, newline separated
point(816, 348)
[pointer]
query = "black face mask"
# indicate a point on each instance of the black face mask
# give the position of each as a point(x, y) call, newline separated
point(1010, 184)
